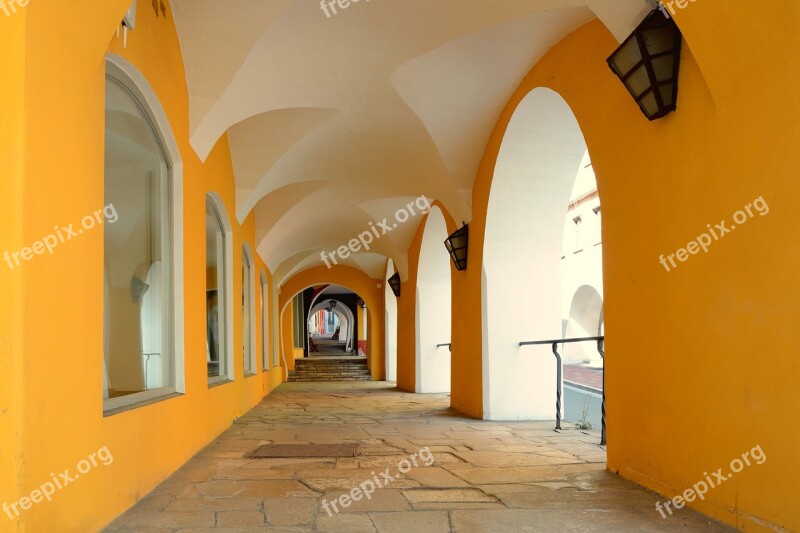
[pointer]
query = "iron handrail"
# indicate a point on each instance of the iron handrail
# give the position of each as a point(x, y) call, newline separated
point(601, 350)
point(449, 346)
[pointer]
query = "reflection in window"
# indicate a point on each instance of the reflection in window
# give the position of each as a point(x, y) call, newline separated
point(216, 312)
point(137, 307)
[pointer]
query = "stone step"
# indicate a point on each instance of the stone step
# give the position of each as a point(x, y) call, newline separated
point(311, 370)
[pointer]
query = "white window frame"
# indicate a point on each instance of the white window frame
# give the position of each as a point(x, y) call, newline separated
point(226, 303)
point(249, 297)
point(125, 73)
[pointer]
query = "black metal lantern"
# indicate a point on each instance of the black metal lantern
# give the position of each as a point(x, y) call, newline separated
point(648, 63)
point(361, 303)
point(394, 283)
point(332, 303)
point(456, 245)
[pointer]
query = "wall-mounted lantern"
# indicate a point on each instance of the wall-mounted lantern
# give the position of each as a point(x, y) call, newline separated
point(332, 304)
point(648, 63)
point(361, 303)
point(456, 245)
point(394, 283)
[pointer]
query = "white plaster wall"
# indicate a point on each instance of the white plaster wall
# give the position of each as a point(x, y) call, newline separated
point(433, 308)
point(391, 326)
point(535, 173)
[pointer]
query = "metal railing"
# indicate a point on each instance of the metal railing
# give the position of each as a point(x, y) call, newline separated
point(449, 346)
point(600, 349)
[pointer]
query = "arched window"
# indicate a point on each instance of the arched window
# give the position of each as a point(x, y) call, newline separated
point(264, 286)
point(142, 336)
point(248, 313)
point(219, 340)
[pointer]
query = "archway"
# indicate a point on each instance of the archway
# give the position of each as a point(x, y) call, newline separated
point(521, 279)
point(346, 319)
point(433, 308)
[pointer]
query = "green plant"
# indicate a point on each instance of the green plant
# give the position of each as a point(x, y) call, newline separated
point(583, 421)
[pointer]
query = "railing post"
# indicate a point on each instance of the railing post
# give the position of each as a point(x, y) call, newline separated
point(601, 349)
point(558, 385)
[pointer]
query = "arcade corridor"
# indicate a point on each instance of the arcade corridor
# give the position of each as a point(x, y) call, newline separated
point(385, 231)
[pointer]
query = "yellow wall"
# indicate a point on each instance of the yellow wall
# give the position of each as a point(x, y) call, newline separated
point(12, 142)
point(699, 365)
point(52, 98)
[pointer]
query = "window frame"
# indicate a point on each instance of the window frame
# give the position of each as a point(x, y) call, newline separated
point(214, 201)
point(249, 367)
point(127, 76)
point(276, 328)
point(264, 286)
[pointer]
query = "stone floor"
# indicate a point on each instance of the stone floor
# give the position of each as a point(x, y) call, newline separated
point(485, 476)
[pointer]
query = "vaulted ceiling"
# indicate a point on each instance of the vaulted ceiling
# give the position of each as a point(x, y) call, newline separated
point(338, 121)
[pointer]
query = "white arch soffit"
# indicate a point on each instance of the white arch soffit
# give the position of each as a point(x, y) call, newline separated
point(138, 84)
point(433, 308)
point(369, 264)
point(326, 220)
point(390, 325)
point(319, 123)
point(288, 124)
point(288, 235)
point(536, 168)
point(233, 73)
point(504, 52)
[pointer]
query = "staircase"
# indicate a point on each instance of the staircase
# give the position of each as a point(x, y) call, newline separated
point(330, 369)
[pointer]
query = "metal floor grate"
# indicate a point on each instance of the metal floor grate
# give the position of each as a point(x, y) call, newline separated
point(304, 450)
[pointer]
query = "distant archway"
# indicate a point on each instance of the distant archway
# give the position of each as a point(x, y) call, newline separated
point(346, 318)
point(433, 308)
point(585, 320)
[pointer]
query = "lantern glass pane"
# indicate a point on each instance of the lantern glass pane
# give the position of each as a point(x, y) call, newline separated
point(649, 105)
point(626, 57)
point(664, 67)
point(667, 93)
point(639, 82)
point(459, 241)
point(659, 40)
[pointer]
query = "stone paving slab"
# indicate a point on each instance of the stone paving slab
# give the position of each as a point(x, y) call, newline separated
point(486, 477)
